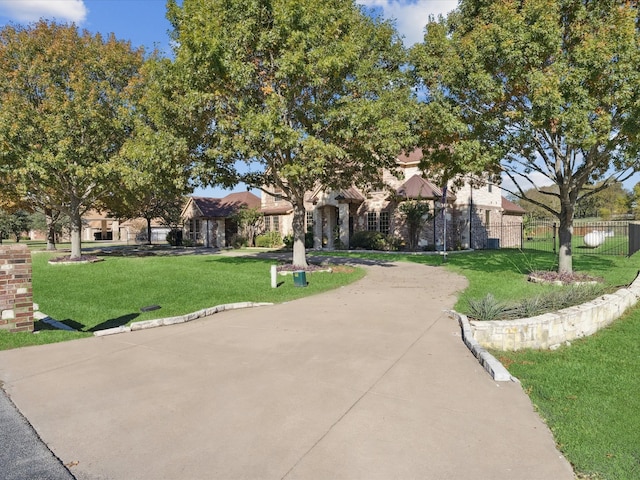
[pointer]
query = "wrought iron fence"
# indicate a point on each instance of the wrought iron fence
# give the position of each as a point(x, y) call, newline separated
point(601, 238)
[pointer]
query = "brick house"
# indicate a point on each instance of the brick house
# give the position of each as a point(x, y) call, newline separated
point(470, 211)
point(207, 221)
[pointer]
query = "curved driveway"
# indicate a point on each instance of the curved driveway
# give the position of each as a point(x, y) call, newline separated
point(370, 381)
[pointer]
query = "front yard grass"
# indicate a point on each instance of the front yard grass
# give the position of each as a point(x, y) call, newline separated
point(110, 293)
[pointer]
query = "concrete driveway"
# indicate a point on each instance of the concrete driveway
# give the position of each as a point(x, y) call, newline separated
point(370, 381)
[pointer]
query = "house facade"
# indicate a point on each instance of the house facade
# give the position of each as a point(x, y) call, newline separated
point(208, 221)
point(100, 226)
point(464, 215)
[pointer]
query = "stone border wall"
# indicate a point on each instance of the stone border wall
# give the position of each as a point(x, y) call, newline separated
point(554, 329)
point(161, 322)
point(493, 367)
point(16, 294)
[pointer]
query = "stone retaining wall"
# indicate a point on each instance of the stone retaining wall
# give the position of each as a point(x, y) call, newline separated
point(16, 295)
point(554, 329)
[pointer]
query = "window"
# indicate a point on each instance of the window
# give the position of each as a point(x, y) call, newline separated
point(372, 221)
point(278, 195)
point(384, 222)
point(276, 223)
point(490, 188)
point(267, 223)
point(194, 229)
point(309, 221)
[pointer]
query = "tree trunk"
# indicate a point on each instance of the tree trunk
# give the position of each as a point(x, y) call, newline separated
point(299, 251)
point(565, 233)
point(251, 236)
point(148, 231)
point(51, 229)
point(76, 231)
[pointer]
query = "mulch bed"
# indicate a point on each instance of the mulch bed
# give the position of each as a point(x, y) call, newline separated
point(287, 267)
point(67, 260)
point(562, 278)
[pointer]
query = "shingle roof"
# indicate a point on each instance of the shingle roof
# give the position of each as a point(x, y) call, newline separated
point(417, 187)
point(227, 206)
point(412, 157)
point(512, 208)
point(349, 195)
point(279, 210)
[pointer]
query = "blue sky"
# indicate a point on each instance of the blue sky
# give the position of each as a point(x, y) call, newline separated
point(143, 23)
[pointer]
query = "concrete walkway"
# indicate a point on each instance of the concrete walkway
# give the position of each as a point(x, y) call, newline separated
point(370, 381)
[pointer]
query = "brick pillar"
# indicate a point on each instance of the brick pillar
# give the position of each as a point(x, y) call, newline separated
point(16, 295)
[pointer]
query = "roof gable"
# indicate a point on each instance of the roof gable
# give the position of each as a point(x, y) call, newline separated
point(410, 158)
point(511, 208)
point(417, 187)
point(227, 206)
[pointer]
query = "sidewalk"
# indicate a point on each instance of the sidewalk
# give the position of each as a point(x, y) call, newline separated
point(370, 381)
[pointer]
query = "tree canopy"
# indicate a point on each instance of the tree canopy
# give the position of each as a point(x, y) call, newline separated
point(67, 98)
point(607, 203)
point(313, 93)
point(154, 163)
point(546, 88)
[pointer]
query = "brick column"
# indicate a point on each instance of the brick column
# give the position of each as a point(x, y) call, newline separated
point(16, 295)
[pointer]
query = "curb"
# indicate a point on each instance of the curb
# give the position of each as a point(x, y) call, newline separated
point(497, 371)
point(161, 322)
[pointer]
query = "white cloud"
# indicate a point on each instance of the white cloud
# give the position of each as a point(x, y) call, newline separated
point(411, 16)
point(33, 10)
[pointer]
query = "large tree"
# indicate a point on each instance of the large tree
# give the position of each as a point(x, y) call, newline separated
point(312, 94)
point(535, 88)
point(66, 100)
point(154, 162)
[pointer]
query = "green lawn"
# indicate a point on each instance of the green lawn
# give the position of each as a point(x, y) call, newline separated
point(110, 293)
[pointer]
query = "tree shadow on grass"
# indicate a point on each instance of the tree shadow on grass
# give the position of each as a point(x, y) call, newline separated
point(285, 258)
point(114, 322)
point(237, 260)
point(523, 261)
point(40, 326)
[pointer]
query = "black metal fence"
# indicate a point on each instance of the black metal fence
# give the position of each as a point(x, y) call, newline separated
point(601, 238)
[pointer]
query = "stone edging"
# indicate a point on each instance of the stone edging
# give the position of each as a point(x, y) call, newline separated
point(551, 330)
point(159, 322)
point(497, 371)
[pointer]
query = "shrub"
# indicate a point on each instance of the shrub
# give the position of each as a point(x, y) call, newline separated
point(489, 308)
point(416, 215)
point(187, 242)
point(174, 237)
point(269, 240)
point(369, 240)
point(239, 241)
point(308, 240)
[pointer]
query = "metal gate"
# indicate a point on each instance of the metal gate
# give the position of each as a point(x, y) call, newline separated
point(634, 238)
